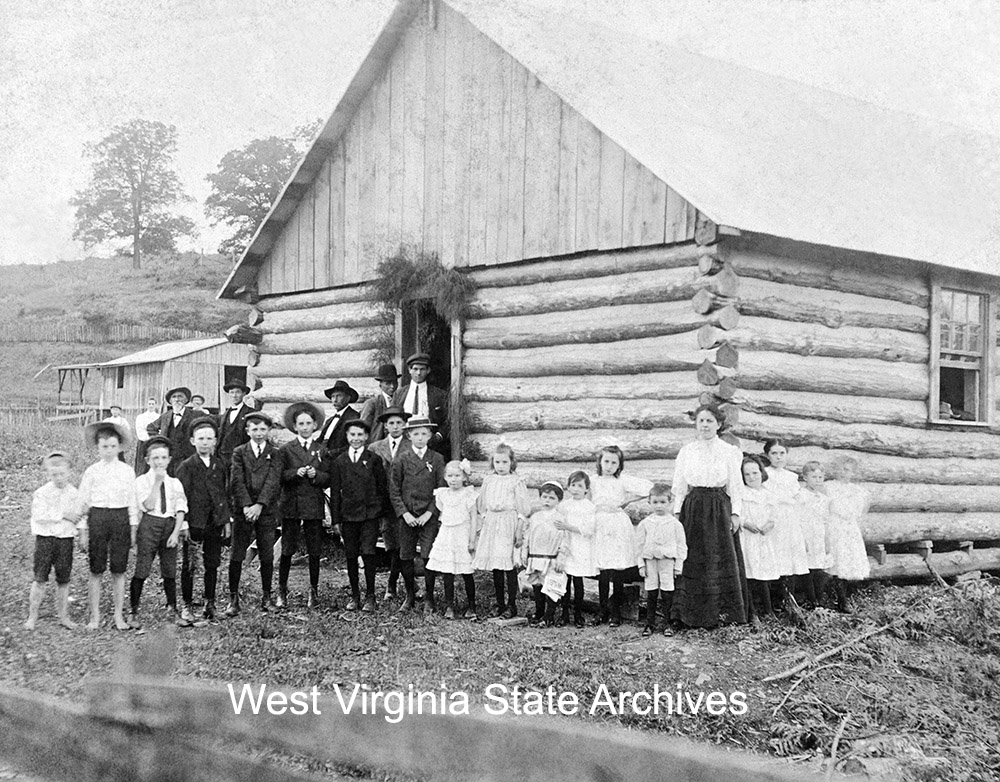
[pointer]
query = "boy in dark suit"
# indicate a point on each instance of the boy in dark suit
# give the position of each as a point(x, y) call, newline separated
point(232, 422)
point(357, 501)
point(420, 398)
point(175, 425)
point(415, 473)
point(255, 486)
point(204, 480)
point(393, 420)
point(333, 434)
point(373, 408)
point(304, 476)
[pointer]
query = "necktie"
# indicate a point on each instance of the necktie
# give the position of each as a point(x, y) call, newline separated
point(415, 405)
point(354, 455)
point(163, 499)
point(393, 445)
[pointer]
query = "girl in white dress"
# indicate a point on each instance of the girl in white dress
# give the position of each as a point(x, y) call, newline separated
point(848, 505)
point(813, 509)
point(579, 524)
point(791, 543)
point(451, 553)
point(504, 506)
point(614, 544)
point(760, 544)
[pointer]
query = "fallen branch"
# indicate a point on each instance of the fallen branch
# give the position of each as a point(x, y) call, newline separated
point(836, 744)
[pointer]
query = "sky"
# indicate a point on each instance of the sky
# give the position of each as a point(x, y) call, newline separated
point(227, 71)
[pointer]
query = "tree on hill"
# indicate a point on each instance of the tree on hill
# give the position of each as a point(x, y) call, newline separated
point(249, 180)
point(132, 187)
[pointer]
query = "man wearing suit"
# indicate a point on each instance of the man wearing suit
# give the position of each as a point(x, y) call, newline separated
point(420, 398)
point(232, 423)
point(333, 434)
point(358, 498)
point(175, 425)
point(371, 411)
point(392, 421)
point(254, 488)
point(304, 478)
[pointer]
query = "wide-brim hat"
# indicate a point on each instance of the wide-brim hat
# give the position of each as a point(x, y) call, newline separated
point(91, 432)
point(391, 411)
point(183, 389)
point(418, 358)
point(233, 383)
point(419, 422)
point(293, 410)
point(201, 423)
point(257, 415)
point(341, 385)
point(387, 374)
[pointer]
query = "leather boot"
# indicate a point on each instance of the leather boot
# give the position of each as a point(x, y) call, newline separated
point(265, 602)
point(281, 601)
point(209, 612)
point(234, 604)
point(313, 600)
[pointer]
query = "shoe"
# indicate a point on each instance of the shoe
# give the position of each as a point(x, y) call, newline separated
point(313, 600)
point(563, 620)
point(209, 612)
point(429, 608)
point(369, 605)
point(449, 613)
point(185, 618)
point(578, 621)
point(407, 604)
point(352, 604)
point(281, 601)
point(234, 605)
point(668, 632)
point(133, 622)
point(265, 602)
point(615, 622)
point(647, 631)
point(470, 613)
point(601, 618)
point(533, 620)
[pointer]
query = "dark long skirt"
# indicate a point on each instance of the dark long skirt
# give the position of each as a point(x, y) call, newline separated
point(711, 591)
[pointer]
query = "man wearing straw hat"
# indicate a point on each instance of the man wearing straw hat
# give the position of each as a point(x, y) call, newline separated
point(333, 434)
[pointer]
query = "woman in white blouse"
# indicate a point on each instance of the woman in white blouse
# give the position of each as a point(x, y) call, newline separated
point(708, 490)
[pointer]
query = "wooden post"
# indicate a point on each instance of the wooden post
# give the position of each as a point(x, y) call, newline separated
point(456, 401)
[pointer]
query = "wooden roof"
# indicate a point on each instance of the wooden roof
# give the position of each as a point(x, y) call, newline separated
point(164, 351)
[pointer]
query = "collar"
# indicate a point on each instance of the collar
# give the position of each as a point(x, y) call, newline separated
point(305, 443)
point(207, 463)
point(420, 453)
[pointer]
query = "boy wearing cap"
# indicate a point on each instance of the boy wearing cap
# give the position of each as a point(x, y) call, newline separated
point(375, 406)
point(357, 501)
point(333, 433)
point(110, 518)
point(420, 398)
point(175, 425)
point(255, 487)
point(304, 477)
point(392, 421)
point(163, 505)
point(415, 473)
point(204, 480)
point(232, 422)
point(54, 515)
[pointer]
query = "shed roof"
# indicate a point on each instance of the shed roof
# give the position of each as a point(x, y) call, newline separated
point(750, 150)
point(164, 351)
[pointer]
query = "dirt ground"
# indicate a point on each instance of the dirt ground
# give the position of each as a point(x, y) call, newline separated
point(920, 700)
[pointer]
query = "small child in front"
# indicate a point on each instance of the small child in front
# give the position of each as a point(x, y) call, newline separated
point(110, 519)
point(813, 507)
point(579, 524)
point(544, 554)
point(54, 514)
point(662, 549)
point(456, 539)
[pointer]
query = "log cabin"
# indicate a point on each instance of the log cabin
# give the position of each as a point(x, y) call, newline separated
point(648, 228)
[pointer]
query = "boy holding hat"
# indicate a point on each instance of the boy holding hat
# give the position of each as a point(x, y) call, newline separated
point(163, 505)
point(304, 478)
point(415, 473)
point(110, 517)
point(175, 424)
point(232, 422)
point(333, 433)
point(204, 480)
point(392, 421)
point(357, 502)
point(255, 486)
point(374, 407)
point(420, 398)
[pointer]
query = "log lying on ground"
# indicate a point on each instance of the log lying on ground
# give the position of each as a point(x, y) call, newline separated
point(845, 409)
point(654, 354)
point(815, 339)
point(569, 446)
point(591, 265)
point(349, 363)
point(869, 438)
point(350, 315)
point(951, 563)
point(654, 385)
point(600, 324)
point(321, 341)
point(811, 305)
point(536, 473)
point(766, 370)
point(915, 497)
point(905, 527)
point(302, 301)
point(594, 413)
point(297, 389)
point(659, 285)
point(831, 275)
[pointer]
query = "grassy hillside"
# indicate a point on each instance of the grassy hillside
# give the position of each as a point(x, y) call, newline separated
point(177, 291)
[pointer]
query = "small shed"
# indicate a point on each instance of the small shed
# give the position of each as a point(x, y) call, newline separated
point(649, 228)
point(200, 364)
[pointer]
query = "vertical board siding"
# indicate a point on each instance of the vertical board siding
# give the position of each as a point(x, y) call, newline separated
point(458, 150)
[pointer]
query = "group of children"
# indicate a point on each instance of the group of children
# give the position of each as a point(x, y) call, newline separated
point(794, 534)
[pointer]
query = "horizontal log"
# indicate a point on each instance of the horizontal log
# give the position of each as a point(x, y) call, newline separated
point(298, 389)
point(349, 363)
point(815, 339)
point(242, 334)
point(832, 275)
point(764, 370)
point(590, 265)
point(599, 324)
point(320, 341)
point(536, 473)
point(870, 438)
point(350, 315)
point(834, 309)
point(645, 287)
point(580, 445)
point(655, 354)
point(951, 563)
point(655, 385)
point(915, 497)
point(592, 413)
point(834, 407)
point(311, 299)
point(905, 527)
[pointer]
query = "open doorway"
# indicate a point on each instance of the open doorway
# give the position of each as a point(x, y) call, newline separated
point(422, 330)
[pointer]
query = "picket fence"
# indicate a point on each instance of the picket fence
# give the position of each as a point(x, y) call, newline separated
point(35, 331)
